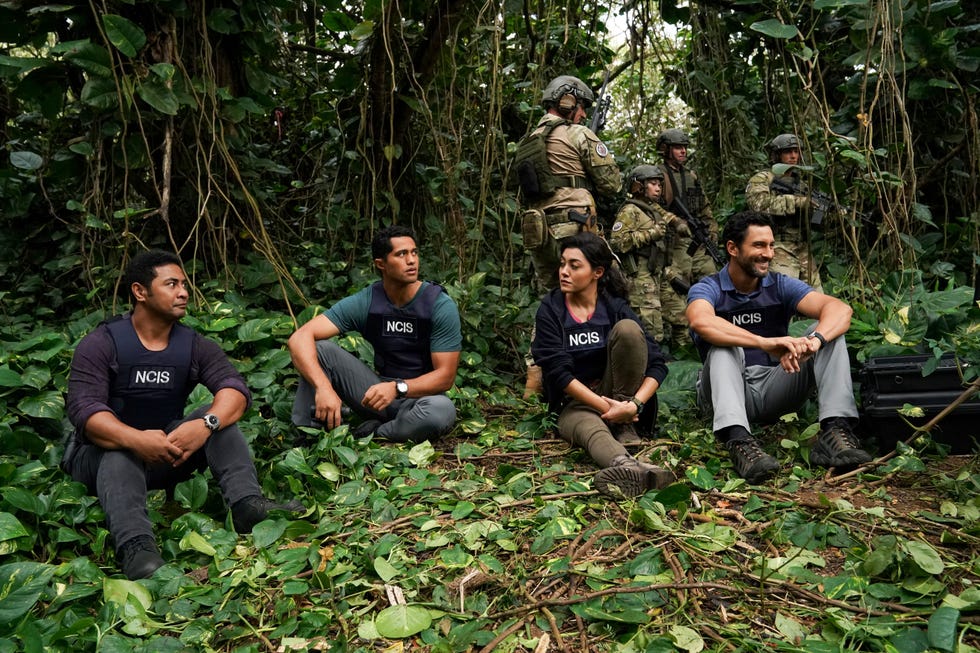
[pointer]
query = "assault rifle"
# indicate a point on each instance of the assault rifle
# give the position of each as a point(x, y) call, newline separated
point(822, 202)
point(602, 104)
point(700, 236)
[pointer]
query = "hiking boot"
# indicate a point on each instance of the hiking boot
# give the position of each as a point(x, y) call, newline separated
point(139, 557)
point(248, 512)
point(626, 434)
point(837, 446)
point(751, 462)
point(628, 477)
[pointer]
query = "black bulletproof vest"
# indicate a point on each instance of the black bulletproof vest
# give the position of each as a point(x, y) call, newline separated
point(762, 313)
point(401, 337)
point(587, 341)
point(150, 389)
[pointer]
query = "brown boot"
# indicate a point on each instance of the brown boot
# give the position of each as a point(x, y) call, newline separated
point(535, 381)
point(628, 477)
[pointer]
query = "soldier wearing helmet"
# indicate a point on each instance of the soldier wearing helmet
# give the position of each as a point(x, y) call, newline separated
point(785, 197)
point(681, 187)
point(641, 236)
point(560, 164)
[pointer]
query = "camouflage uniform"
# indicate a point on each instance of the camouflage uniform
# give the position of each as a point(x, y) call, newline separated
point(790, 215)
point(684, 184)
point(576, 154)
point(638, 236)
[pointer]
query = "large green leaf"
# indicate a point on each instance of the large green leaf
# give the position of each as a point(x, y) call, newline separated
point(93, 59)
point(399, 621)
point(100, 92)
point(775, 28)
point(925, 556)
point(10, 527)
point(942, 628)
point(21, 585)
point(49, 405)
point(9, 378)
point(127, 36)
point(156, 93)
point(26, 160)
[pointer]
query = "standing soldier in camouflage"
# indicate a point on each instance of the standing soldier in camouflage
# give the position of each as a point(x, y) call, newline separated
point(559, 165)
point(641, 236)
point(785, 198)
point(682, 190)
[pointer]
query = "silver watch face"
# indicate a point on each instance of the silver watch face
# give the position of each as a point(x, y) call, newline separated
point(402, 388)
point(212, 422)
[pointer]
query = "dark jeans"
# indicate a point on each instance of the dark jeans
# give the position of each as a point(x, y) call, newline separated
point(121, 479)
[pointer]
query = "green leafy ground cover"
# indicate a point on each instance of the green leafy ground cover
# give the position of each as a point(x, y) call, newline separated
point(490, 540)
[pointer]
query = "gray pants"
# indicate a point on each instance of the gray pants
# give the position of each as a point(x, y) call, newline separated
point(121, 479)
point(626, 364)
point(738, 394)
point(412, 420)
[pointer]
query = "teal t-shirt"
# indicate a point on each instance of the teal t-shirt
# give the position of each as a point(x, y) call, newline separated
point(351, 313)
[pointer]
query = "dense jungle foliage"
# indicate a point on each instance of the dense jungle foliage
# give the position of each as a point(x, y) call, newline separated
point(267, 140)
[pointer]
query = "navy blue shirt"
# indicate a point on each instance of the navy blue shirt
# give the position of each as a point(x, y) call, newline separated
point(765, 312)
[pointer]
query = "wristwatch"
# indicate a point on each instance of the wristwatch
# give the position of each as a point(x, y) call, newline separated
point(401, 389)
point(639, 404)
point(212, 422)
point(818, 336)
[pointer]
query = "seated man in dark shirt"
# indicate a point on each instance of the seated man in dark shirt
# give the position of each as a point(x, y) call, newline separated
point(128, 388)
point(414, 328)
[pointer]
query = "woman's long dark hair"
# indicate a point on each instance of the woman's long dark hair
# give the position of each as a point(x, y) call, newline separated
point(599, 255)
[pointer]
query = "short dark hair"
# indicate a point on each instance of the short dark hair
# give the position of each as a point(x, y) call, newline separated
point(738, 226)
point(142, 269)
point(381, 245)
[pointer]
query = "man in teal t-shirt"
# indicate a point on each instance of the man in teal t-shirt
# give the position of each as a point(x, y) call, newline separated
point(414, 328)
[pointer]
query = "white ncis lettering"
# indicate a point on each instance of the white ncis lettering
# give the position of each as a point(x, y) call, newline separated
point(586, 338)
point(397, 326)
point(153, 376)
point(747, 318)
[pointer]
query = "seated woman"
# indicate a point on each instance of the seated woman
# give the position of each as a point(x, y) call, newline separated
point(600, 367)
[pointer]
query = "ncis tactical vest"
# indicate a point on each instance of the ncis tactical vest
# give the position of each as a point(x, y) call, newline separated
point(401, 336)
point(762, 313)
point(150, 388)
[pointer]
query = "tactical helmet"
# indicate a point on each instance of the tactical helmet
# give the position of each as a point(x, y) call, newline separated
point(640, 174)
point(670, 137)
point(780, 143)
point(566, 85)
point(644, 172)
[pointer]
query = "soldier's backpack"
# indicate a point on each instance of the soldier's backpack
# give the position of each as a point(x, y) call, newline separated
point(533, 170)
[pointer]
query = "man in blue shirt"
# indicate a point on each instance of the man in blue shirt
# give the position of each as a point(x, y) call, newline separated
point(414, 328)
point(753, 370)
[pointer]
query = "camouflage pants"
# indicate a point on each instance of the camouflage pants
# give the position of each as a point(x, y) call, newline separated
point(645, 300)
point(691, 268)
point(793, 258)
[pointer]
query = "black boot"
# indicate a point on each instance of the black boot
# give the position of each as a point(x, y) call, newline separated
point(248, 512)
point(139, 557)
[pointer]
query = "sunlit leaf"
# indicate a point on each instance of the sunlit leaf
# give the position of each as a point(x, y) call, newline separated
point(128, 37)
point(775, 28)
point(398, 621)
point(21, 585)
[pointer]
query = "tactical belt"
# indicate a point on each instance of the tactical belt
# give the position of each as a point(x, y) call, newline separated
point(572, 181)
point(558, 216)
